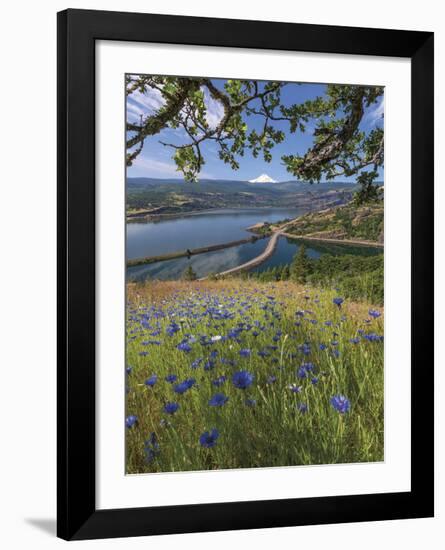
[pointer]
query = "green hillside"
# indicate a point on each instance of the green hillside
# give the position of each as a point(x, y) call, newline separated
point(344, 222)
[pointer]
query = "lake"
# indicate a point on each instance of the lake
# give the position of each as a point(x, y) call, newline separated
point(215, 227)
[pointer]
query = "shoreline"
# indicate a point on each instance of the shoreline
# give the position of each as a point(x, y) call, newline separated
point(261, 258)
point(215, 211)
point(369, 244)
point(254, 262)
point(194, 252)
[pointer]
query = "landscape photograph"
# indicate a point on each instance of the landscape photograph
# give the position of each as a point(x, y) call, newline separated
point(254, 274)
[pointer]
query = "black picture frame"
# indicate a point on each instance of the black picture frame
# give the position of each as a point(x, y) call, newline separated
point(78, 518)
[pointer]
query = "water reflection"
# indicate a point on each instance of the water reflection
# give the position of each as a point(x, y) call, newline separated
point(214, 262)
point(216, 227)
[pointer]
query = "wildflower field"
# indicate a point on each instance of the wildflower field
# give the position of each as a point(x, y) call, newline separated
point(244, 374)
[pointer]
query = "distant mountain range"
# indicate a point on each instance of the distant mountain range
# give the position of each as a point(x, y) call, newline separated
point(153, 196)
point(215, 185)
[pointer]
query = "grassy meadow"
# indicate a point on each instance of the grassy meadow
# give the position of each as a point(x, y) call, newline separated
point(243, 374)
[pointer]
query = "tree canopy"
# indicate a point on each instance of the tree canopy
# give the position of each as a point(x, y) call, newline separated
point(301, 266)
point(340, 147)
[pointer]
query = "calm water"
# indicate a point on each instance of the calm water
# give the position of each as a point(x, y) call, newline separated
point(219, 226)
point(152, 238)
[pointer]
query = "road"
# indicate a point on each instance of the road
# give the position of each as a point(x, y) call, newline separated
point(267, 253)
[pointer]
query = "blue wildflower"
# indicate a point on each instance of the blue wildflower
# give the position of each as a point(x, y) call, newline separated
point(208, 439)
point(354, 340)
point(242, 379)
point(195, 364)
point(302, 372)
point(230, 362)
point(244, 352)
point(219, 381)
point(218, 400)
point(271, 379)
point(131, 420)
point(209, 365)
point(172, 329)
point(184, 386)
point(305, 348)
point(338, 301)
point(340, 403)
point(171, 378)
point(373, 337)
point(151, 381)
point(374, 313)
point(302, 408)
point(184, 346)
point(171, 408)
point(151, 448)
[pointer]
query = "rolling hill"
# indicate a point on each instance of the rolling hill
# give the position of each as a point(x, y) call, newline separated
point(152, 196)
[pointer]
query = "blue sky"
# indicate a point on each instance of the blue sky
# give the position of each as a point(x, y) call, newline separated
point(155, 160)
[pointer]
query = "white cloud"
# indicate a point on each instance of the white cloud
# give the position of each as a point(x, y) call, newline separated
point(215, 109)
point(134, 109)
point(133, 112)
point(143, 104)
point(375, 113)
point(146, 103)
point(155, 168)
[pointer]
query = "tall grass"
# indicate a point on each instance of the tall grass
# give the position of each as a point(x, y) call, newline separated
point(266, 424)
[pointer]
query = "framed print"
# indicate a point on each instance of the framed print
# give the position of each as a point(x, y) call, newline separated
point(245, 303)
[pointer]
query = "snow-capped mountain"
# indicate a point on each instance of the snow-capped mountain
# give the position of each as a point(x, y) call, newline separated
point(264, 178)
